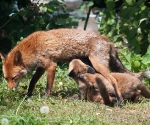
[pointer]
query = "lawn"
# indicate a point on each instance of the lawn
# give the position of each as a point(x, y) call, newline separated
point(18, 110)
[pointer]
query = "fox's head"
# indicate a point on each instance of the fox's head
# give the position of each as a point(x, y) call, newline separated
point(13, 69)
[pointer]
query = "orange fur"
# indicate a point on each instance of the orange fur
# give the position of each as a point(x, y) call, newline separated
point(41, 49)
point(99, 89)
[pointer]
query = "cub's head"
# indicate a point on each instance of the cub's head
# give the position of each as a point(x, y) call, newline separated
point(77, 68)
point(13, 69)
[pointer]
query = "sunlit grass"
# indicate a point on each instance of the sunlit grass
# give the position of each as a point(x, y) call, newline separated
point(63, 111)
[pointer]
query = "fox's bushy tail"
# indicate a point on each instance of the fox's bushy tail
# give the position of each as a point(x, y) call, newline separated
point(117, 66)
point(144, 90)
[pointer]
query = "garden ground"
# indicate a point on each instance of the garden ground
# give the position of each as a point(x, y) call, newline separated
point(18, 110)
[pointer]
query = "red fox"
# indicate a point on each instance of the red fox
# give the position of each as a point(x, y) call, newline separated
point(42, 48)
point(95, 87)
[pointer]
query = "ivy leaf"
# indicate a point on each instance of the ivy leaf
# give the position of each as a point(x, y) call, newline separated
point(47, 26)
point(84, 5)
point(125, 12)
point(50, 10)
point(44, 8)
point(130, 2)
point(110, 4)
point(90, 3)
point(131, 33)
point(81, 8)
point(128, 66)
point(73, 20)
point(146, 59)
point(128, 57)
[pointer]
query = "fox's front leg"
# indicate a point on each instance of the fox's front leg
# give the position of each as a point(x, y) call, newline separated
point(101, 68)
point(39, 72)
point(50, 72)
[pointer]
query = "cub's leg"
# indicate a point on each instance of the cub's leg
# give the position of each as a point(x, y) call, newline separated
point(39, 72)
point(136, 96)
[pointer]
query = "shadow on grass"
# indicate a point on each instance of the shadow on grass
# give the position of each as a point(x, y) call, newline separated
point(66, 94)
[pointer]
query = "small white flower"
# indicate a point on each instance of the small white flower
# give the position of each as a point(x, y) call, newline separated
point(70, 121)
point(98, 113)
point(5, 121)
point(44, 109)
point(60, 83)
point(29, 100)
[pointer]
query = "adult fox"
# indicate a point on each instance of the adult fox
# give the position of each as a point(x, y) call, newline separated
point(42, 48)
point(94, 87)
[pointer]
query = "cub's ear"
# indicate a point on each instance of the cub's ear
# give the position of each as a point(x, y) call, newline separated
point(3, 56)
point(18, 58)
point(90, 70)
point(71, 74)
point(70, 70)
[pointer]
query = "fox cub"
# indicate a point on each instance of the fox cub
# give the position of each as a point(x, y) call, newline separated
point(95, 87)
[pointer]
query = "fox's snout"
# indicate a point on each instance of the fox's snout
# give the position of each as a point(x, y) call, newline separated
point(12, 86)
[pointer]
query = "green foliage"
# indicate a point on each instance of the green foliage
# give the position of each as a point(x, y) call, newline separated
point(82, 6)
point(65, 86)
point(135, 62)
point(21, 18)
point(27, 17)
point(21, 111)
point(130, 24)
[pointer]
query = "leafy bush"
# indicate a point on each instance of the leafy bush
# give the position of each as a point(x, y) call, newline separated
point(27, 17)
point(135, 62)
point(129, 24)
point(21, 18)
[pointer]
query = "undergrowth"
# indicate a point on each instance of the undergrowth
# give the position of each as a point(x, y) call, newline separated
point(16, 109)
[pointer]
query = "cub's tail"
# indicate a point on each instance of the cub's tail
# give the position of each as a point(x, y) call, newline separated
point(141, 75)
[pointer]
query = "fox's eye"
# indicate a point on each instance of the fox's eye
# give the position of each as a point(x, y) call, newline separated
point(13, 78)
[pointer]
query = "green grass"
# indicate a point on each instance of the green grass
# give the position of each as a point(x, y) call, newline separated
point(63, 110)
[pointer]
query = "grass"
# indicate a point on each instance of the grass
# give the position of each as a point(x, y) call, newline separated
point(63, 110)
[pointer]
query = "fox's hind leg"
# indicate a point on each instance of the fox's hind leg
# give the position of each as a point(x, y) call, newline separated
point(101, 68)
point(99, 57)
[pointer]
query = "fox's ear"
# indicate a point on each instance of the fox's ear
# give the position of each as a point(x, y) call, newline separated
point(18, 58)
point(3, 56)
point(91, 70)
